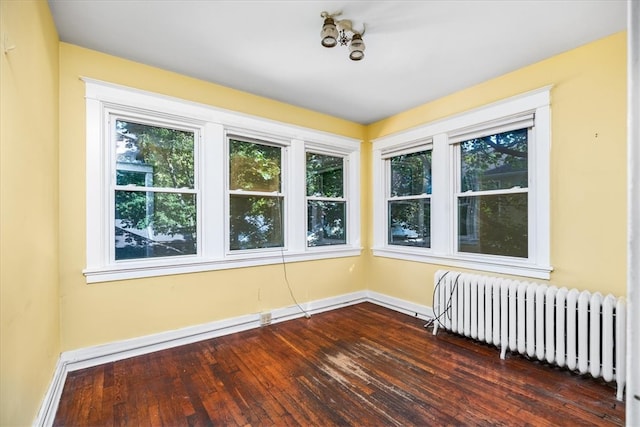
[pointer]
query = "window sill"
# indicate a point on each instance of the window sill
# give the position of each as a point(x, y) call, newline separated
point(137, 270)
point(501, 266)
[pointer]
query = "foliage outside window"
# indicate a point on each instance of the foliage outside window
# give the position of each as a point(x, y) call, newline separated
point(487, 197)
point(493, 199)
point(256, 201)
point(409, 201)
point(176, 187)
point(155, 191)
point(326, 205)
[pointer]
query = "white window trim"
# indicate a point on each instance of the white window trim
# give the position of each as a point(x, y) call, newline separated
point(214, 124)
point(351, 194)
point(344, 199)
point(112, 113)
point(283, 193)
point(386, 156)
point(442, 251)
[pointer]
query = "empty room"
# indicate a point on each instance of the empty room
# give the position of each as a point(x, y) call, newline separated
point(319, 212)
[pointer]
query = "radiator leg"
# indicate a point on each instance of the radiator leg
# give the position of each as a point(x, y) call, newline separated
point(620, 392)
point(435, 326)
point(503, 351)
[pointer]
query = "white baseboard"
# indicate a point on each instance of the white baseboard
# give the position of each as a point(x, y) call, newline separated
point(74, 360)
point(51, 399)
point(417, 310)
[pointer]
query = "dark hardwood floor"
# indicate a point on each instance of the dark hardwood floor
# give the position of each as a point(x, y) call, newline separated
point(361, 365)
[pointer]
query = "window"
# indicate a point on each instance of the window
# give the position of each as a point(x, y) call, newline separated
point(492, 201)
point(409, 199)
point(178, 187)
point(475, 195)
point(326, 203)
point(155, 191)
point(255, 196)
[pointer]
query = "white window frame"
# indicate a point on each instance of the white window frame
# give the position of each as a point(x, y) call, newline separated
point(344, 199)
point(444, 135)
point(351, 185)
point(111, 115)
point(387, 155)
point(283, 146)
point(213, 126)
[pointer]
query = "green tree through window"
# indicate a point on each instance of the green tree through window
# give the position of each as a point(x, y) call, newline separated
point(326, 205)
point(409, 202)
point(155, 200)
point(255, 200)
point(493, 204)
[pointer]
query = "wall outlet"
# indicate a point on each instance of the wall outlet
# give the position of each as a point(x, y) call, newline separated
point(265, 318)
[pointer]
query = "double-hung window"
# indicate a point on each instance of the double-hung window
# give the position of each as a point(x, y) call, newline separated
point(476, 196)
point(178, 187)
point(326, 202)
point(409, 197)
point(154, 189)
point(492, 196)
point(256, 199)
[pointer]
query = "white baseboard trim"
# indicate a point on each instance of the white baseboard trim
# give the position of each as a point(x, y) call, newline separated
point(417, 310)
point(74, 360)
point(51, 399)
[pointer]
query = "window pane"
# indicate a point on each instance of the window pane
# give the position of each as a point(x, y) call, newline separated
point(326, 223)
point(493, 225)
point(495, 161)
point(324, 175)
point(254, 167)
point(154, 156)
point(410, 223)
point(149, 224)
point(411, 174)
point(255, 222)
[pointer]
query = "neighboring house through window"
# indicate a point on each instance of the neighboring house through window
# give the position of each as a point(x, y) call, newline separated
point(469, 191)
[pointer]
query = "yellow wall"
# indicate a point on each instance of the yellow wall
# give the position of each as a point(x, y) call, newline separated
point(47, 306)
point(587, 196)
point(105, 312)
point(588, 167)
point(29, 317)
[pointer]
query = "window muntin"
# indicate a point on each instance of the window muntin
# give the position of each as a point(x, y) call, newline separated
point(409, 199)
point(256, 201)
point(492, 203)
point(155, 196)
point(211, 128)
point(326, 204)
point(519, 203)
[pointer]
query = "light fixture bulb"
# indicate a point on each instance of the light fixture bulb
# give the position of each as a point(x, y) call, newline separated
point(329, 33)
point(356, 48)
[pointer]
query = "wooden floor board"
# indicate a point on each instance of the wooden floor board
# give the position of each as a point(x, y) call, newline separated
point(359, 365)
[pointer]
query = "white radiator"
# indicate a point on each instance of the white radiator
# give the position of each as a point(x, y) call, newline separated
point(581, 331)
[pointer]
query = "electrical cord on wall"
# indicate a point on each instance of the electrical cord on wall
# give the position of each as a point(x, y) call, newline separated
point(446, 313)
point(284, 266)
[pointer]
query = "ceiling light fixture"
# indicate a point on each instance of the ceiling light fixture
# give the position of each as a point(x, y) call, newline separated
point(334, 32)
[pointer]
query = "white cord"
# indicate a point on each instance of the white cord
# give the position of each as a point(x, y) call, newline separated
point(284, 266)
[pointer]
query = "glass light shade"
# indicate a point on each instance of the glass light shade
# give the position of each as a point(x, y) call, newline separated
point(356, 48)
point(329, 33)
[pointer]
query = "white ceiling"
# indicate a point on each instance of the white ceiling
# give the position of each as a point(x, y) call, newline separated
point(416, 51)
